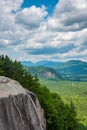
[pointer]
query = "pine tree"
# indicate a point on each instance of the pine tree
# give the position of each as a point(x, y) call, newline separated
point(58, 115)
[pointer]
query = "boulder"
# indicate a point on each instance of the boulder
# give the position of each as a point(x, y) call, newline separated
point(19, 108)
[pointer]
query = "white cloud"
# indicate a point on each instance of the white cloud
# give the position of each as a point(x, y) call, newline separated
point(69, 16)
point(31, 17)
point(23, 30)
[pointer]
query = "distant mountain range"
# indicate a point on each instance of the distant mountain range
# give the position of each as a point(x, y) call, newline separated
point(45, 63)
point(70, 70)
point(73, 70)
point(27, 63)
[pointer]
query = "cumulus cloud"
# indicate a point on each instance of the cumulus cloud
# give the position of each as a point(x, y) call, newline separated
point(31, 17)
point(49, 50)
point(69, 16)
point(32, 32)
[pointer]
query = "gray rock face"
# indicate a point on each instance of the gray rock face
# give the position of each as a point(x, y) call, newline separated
point(19, 108)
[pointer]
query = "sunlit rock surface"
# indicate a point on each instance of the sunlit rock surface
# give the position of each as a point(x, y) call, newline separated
point(19, 108)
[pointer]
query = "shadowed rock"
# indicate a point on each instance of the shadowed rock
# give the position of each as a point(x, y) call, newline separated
point(19, 108)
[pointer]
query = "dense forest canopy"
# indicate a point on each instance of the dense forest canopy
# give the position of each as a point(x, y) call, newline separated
point(59, 116)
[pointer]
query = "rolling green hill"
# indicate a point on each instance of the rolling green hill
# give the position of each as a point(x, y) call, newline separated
point(71, 90)
point(67, 86)
point(73, 70)
point(44, 72)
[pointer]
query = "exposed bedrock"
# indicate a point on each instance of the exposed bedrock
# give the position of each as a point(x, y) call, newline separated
point(19, 108)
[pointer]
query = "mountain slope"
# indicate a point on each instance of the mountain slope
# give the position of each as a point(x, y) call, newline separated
point(70, 70)
point(44, 72)
point(73, 70)
point(47, 63)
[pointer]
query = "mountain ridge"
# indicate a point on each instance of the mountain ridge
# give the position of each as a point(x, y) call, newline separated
point(44, 72)
point(48, 63)
point(73, 70)
point(70, 70)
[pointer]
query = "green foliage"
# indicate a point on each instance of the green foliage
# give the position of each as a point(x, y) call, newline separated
point(43, 72)
point(74, 70)
point(58, 115)
point(71, 90)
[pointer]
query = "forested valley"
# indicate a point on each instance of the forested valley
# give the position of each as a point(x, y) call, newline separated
point(59, 116)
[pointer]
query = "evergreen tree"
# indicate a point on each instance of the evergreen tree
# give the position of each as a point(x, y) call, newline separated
point(58, 115)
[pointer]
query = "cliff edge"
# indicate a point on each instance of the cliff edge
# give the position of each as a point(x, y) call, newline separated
point(19, 108)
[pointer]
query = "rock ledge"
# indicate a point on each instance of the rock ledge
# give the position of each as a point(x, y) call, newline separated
point(19, 108)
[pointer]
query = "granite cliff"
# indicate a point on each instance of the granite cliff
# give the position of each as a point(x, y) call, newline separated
point(19, 108)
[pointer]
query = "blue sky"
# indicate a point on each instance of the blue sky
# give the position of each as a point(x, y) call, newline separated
point(50, 4)
point(44, 30)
